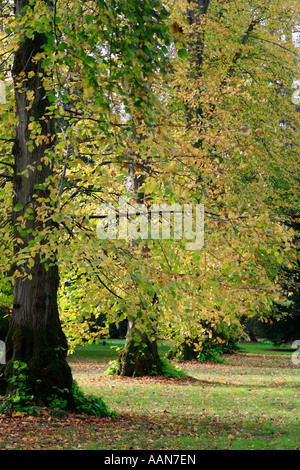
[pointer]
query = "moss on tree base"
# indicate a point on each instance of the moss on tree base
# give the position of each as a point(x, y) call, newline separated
point(47, 373)
point(139, 358)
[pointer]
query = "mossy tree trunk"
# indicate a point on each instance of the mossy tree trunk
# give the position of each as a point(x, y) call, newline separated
point(140, 355)
point(35, 335)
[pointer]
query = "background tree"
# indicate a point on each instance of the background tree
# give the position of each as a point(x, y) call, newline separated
point(283, 324)
point(222, 152)
point(243, 174)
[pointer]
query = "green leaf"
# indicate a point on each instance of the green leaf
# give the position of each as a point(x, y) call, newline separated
point(183, 53)
point(18, 207)
point(51, 97)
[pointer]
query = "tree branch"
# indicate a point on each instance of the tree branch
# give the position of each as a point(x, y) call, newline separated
point(5, 163)
point(4, 175)
point(239, 53)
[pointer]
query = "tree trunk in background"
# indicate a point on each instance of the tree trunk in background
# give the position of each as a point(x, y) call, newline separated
point(139, 359)
point(186, 352)
point(143, 359)
point(195, 12)
point(35, 336)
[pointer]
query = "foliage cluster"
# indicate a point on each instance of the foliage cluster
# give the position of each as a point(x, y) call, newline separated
point(20, 399)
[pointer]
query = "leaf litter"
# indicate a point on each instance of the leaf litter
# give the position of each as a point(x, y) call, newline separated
point(218, 406)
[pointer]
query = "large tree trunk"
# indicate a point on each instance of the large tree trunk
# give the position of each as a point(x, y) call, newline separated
point(35, 336)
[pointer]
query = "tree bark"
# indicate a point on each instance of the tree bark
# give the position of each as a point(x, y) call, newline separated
point(35, 336)
point(196, 11)
point(139, 358)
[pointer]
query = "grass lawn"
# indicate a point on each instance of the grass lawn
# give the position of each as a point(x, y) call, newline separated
point(249, 401)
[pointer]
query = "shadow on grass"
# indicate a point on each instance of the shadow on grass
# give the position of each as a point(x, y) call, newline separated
point(165, 430)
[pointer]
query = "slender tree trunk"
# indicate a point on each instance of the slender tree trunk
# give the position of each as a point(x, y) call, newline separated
point(195, 14)
point(195, 18)
point(143, 358)
point(139, 358)
point(35, 336)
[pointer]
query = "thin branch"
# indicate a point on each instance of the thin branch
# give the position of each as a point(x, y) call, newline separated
point(7, 164)
point(90, 262)
point(106, 287)
point(64, 173)
point(5, 37)
point(276, 44)
point(82, 116)
point(239, 52)
point(4, 175)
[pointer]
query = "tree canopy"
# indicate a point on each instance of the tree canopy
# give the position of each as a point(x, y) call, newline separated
point(170, 104)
